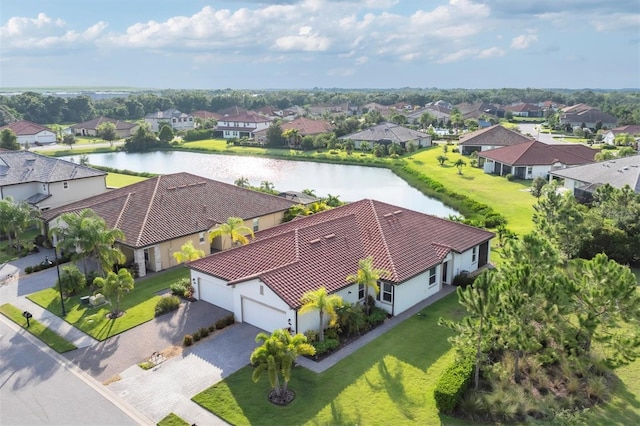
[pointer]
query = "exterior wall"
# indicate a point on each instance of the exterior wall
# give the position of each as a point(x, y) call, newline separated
point(77, 189)
point(177, 123)
point(413, 291)
point(265, 222)
point(168, 248)
point(213, 290)
point(43, 137)
point(21, 191)
point(251, 290)
point(464, 261)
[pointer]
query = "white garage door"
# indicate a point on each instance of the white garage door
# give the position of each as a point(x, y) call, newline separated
point(263, 316)
point(215, 293)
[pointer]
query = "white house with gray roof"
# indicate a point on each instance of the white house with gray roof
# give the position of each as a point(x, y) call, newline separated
point(46, 182)
point(388, 133)
point(172, 117)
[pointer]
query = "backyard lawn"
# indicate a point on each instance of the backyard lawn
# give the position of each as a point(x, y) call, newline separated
point(139, 305)
point(390, 381)
point(118, 180)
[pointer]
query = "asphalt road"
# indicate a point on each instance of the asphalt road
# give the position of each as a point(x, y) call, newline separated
point(36, 389)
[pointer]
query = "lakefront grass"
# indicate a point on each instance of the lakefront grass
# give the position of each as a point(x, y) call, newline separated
point(138, 305)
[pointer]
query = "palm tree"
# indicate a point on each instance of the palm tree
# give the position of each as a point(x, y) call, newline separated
point(459, 164)
point(188, 253)
point(233, 228)
point(395, 148)
point(367, 276)
point(333, 200)
point(309, 192)
point(348, 146)
point(114, 286)
point(277, 355)
point(442, 159)
point(15, 217)
point(364, 146)
point(267, 186)
point(242, 182)
point(319, 300)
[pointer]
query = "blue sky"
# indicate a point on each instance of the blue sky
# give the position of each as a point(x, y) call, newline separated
point(293, 44)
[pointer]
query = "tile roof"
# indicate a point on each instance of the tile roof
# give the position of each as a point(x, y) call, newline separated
point(246, 117)
point(538, 153)
point(493, 136)
point(25, 166)
point(617, 173)
point(323, 249)
point(386, 131)
point(234, 110)
point(171, 206)
point(206, 115)
point(96, 122)
point(306, 126)
point(25, 128)
point(632, 129)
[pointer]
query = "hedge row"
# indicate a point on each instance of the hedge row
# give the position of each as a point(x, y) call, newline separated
point(452, 383)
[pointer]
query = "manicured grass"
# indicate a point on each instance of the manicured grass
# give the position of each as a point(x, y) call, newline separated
point(25, 237)
point(118, 180)
point(172, 420)
point(511, 199)
point(387, 382)
point(139, 305)
point(56, 342)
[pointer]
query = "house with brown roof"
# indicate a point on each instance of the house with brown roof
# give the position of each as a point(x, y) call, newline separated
point(242, 125)
point(523, 109)
point(90, 128)
point(304, 126)
point(488, 138)
point(262, 282)
point(387, 133)
point(159, 215)
point(206, 115)
point(591, 117)
point(29, 133)
point(610, 136)
point(533, 159)
point(46, 182)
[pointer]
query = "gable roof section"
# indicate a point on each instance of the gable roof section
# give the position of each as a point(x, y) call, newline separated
point(96, 122)
point(538, 153)
point(306, 126)
point(323, 249)
point(25, 128)
point(617, 173)
point(246, 117)
point(206, 115)
point(172, 206)
point(25, 166)
point(386, 131)
point(632, 129)
point(493, 136)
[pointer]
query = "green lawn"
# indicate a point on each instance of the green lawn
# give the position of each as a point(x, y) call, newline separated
point(387, 382)
point(56, 342)
point(172, 420)
point(25, 237)
point(139, 305)
point(511, 199)
point(118, 180)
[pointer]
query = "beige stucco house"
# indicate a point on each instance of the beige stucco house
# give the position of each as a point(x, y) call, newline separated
point(161, 214)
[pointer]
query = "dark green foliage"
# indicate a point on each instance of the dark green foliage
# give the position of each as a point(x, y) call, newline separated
point(325, 346)
point(9, 140)
point(224, 322)
point(28, 269)
point(196, 336)
point(167, 304)
point(180, 287)
point(143, 140)
point(187, 340)
point(211, 328)
point(453, 382)
point(509, 177)
point(376, 316)
point(463, 280)
point(198, 135)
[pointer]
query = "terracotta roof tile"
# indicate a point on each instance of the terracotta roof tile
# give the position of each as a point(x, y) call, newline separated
point(25, 128)
point(539, 153)
point(493, 136)
point(323, 249)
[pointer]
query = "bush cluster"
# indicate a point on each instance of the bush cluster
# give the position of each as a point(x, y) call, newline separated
point(453, 382)
point(180, 287)
point(325, 346)
point(167, 304)
point(203, 332)
point(463, 280)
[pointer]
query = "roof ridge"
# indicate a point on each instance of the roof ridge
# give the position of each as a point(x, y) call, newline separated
point(146, 215)
point(384, 240)
point(116, 225)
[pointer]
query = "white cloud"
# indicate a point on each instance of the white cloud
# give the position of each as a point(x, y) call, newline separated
point(491, 52)
point(617, 22)
point(362, 60)
point(523, 41)
point(306, 41)
point(456, 56)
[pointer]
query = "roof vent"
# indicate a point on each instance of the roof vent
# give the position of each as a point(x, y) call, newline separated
point(329, 236)
point(388, 214)
point(397, 212)
point(171, 188)
point(317, 240)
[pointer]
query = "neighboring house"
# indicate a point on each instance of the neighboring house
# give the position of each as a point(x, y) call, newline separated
point(308, 127)
point(479, 109)
point(583, 180)
point(437, 113)
point(591, 117)
point(490, 138)
point(523, 109)
point(29, 133)
point(233, 110)
point(161, 214)
point(343, 108)
point(90, 128)
point(388, 133)
point(299, 197)
point(45, 182)
point(174, 118)
point(610, 136)
point(262, 282)
point(206, 115)
point(533, 159)
point(242, 125)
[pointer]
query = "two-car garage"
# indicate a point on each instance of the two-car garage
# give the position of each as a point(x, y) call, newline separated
point(262, 316)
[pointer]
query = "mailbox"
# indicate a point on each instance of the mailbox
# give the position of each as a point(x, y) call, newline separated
point(27, 315)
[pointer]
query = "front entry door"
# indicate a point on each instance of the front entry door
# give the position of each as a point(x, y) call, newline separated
point(445, 273)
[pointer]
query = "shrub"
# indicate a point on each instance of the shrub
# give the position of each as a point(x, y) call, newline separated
point(331, 333)
point(509, 177)
point(211, 328)
point(493, 220)
point(196, 336)
point(376, 316)
point(325, 346)
point(37, 268)
point(311, 335)
point(167, 304)
point(180, 287)
point(187, 340)
point(226, 321)
point(203, 332)
point(463, 280)
point(452, 383)
point(28, 269)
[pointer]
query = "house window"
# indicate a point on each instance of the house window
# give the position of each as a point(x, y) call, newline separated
point(529, 170)
point(474, 255)
point(65, 185)
point(386, 293)
point(201, 235)
point(262, 290)
point(256, 224)
point(433, 278)
point(44, 187)
point(360, 291)
point(190, 118)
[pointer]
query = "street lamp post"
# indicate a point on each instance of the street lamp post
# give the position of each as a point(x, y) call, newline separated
point(55, 254)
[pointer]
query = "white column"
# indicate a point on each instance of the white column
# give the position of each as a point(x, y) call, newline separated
point(158, 257)
point(138, 258)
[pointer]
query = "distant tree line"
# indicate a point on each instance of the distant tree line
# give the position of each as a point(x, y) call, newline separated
point(49, 109)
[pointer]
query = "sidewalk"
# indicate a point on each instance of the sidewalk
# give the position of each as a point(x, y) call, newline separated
point(331, 360)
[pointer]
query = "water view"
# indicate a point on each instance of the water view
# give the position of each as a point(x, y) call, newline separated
point(351, 183)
